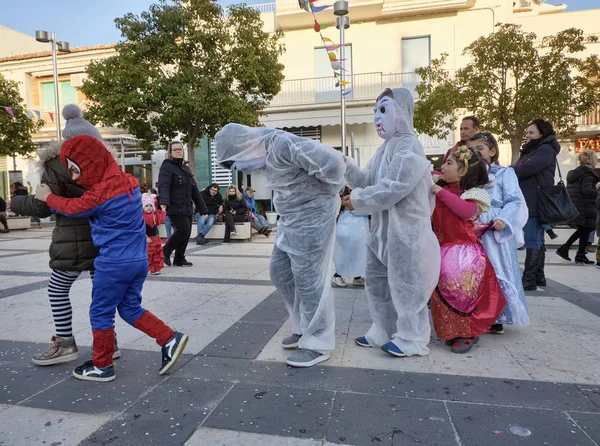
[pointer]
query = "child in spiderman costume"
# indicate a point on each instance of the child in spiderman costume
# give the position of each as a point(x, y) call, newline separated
point(112, 201)
point(153, 218)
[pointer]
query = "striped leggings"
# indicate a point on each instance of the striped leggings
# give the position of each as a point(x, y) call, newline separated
point(58, 292)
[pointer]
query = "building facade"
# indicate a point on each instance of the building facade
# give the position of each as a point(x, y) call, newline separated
point(387, 40)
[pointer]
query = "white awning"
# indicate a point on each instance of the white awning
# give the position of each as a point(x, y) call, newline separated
point(309, 118)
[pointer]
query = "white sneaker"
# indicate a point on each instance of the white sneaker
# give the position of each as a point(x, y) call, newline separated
point(338, 281)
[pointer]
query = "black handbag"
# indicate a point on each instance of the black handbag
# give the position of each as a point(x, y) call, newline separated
point(554, 204)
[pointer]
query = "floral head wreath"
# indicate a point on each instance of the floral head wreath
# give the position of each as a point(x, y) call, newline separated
point(463, 154)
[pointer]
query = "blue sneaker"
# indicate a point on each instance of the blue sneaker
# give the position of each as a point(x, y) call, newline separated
point(89, 372)
point(393, 350)
point(172, 350)
point(362, 341)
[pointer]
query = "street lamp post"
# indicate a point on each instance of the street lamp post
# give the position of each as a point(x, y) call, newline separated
point(342, 22)
point(64, 47)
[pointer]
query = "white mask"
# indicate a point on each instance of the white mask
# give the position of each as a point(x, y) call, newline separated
point(385, 117)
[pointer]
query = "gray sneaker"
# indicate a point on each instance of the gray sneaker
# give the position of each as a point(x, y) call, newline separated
point(60, 350)
point(291, 341)
point(306, 358)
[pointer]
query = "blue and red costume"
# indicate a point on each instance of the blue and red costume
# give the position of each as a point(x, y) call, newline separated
point(113, 204)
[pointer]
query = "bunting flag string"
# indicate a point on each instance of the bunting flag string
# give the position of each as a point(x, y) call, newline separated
point(30, 113)
point(330, 46)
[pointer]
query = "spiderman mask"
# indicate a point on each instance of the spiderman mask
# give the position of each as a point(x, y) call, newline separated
point(87, 160)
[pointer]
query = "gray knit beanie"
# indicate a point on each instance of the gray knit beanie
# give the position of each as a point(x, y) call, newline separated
point(75, 124)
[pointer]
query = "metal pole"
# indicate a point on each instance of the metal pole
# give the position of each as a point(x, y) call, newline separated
point(122, 156)
point(352, 144)
point(55, 75)
point(342, 97)
point(358, 156)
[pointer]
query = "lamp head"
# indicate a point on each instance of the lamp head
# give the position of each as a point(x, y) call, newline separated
point(64, 47)
point(42, 36)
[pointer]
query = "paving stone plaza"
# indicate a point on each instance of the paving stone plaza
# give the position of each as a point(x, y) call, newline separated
point(537, 385)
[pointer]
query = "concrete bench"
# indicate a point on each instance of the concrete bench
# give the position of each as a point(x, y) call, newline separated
point(19, 222)
point(217, 232)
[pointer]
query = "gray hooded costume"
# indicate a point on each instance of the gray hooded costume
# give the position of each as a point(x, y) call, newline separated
point(306, 177)
point(403, 259)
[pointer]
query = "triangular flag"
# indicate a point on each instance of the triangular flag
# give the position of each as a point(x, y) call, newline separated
point(320, 8)
point(326, 26)
point(330, 48)
point(346, 93)
point(51, 116)
point(9, 110)
point(29, 114)
point(38, 114)
point(327, 39)
point(344, 82)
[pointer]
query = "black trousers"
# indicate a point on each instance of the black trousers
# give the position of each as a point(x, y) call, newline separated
point(583, 234)
point(230, 221)
point(179, 240)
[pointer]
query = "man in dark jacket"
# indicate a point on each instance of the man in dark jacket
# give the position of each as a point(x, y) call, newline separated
point(177, 189)
point(581, 185)
point(214, 203)
point(536, 166)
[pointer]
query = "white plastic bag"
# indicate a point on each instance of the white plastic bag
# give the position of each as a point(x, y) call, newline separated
point(350, 253)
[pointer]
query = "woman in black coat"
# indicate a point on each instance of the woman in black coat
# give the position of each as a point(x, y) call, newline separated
point(234, 209)
point(535, 167)
point(177, 190)
point(581, 185)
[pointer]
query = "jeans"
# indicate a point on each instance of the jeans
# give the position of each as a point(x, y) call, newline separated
point(260, 223)
point(534, 234)
point(168, 226)
point(204, 226)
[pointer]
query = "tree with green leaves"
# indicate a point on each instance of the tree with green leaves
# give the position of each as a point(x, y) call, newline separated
point(186, 68)
point(15, 129)
point(509, 81)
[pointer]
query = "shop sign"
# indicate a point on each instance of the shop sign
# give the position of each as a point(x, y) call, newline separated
point(587, 144)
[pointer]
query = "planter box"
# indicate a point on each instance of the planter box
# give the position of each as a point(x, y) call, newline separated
point(19, 222)
point(217, 232)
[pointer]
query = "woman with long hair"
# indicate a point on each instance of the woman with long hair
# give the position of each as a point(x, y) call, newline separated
point(234, 209)
point(535, 167)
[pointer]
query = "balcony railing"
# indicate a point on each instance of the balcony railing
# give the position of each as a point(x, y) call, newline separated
point(264, 8)
point(364, 86)
point(592, 118)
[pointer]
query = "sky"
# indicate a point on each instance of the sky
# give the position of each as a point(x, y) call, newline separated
point(88, 23)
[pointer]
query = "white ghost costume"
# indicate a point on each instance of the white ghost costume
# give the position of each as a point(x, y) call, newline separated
point(306, 178)
point(403, 256)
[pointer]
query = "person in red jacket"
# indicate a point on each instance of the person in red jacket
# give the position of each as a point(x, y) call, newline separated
point(153, 217)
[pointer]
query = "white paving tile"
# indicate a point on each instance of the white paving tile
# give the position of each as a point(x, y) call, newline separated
point(221, 437)
point(25, 426)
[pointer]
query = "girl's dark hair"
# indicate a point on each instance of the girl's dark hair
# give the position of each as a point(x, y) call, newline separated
point(544, 127)
point(489, 141)
point(477, 171)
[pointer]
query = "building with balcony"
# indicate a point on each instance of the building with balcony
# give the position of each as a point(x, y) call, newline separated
point(387, 40)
